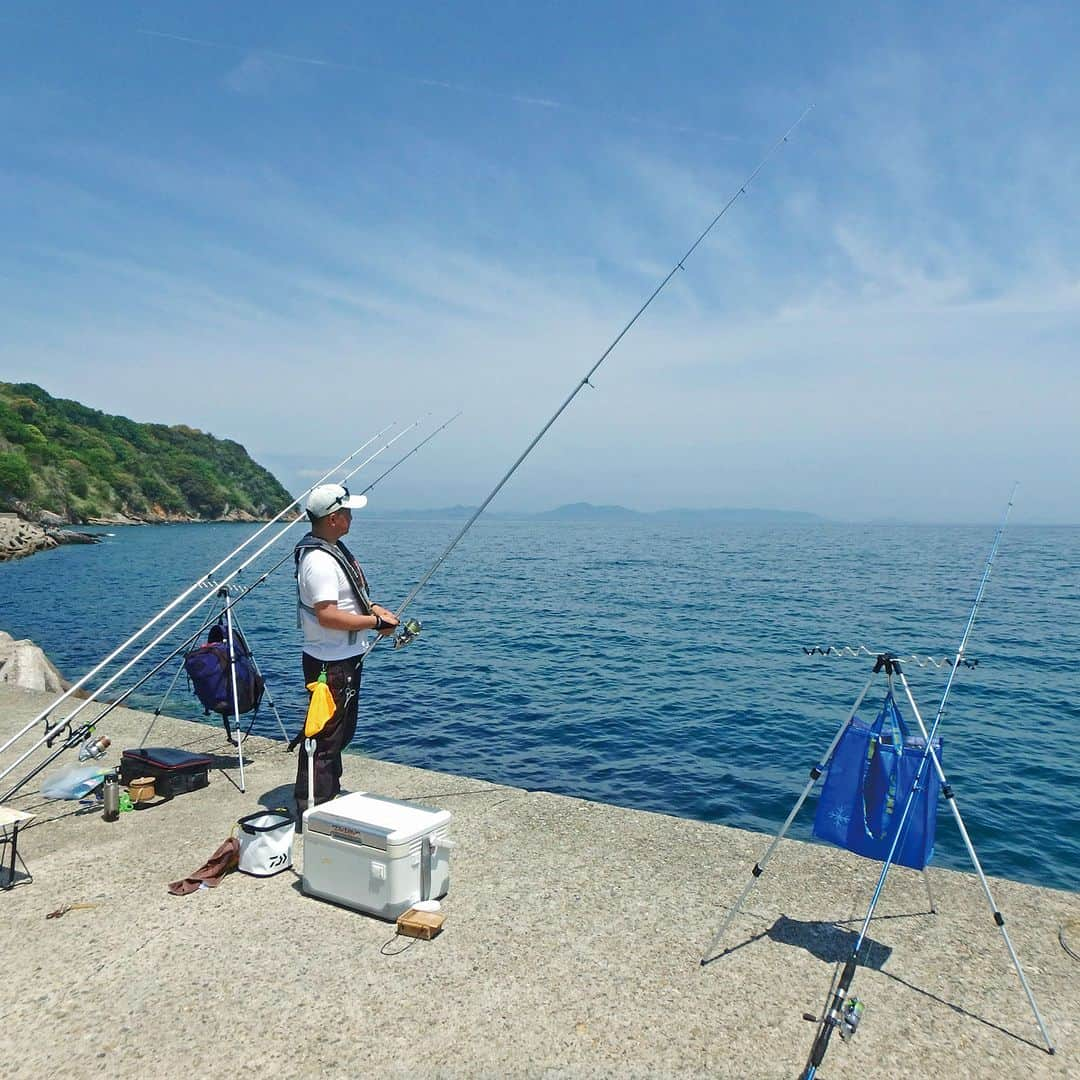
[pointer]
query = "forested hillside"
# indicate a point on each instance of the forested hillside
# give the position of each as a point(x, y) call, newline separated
point(61, 457)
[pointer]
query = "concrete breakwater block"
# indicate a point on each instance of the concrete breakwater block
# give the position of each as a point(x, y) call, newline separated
point(19, 538)
point(25, 665)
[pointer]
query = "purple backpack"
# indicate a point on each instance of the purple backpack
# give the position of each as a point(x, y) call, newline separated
point(207, 669)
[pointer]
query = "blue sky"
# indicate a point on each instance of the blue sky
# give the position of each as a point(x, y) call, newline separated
point(291, 224)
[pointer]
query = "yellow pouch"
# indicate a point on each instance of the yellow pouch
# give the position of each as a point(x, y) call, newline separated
point(321, 708)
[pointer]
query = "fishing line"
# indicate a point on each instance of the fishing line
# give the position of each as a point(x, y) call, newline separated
point(679, 265)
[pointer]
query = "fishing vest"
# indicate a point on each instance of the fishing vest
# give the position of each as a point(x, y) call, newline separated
point(350, 567)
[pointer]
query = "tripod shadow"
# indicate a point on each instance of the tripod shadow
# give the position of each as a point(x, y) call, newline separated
point(833, 943)
point(961, 1011)
point(826, 941)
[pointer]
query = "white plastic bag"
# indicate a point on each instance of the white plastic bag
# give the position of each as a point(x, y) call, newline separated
point(75, 782)
point(266, 842)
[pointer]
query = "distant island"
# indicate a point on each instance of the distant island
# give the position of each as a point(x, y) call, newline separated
point(589, 512)
point(62, 462)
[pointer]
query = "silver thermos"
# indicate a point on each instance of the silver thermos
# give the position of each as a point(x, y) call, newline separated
point(112, 797)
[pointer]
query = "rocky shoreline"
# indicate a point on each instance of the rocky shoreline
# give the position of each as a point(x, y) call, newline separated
point(20, 536)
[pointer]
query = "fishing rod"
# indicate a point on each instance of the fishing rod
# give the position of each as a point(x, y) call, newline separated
point(840, 1008)
point(231, 603)
point(74, 737)
point(197, 584)
point(740, 191)
point(51, 732)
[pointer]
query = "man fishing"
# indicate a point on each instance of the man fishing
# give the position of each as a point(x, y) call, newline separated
point(336, 615)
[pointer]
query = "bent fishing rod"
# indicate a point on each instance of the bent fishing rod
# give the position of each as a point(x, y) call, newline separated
point(52, 732)
point(193, 587)
point(834, 1014)
point(585, 380)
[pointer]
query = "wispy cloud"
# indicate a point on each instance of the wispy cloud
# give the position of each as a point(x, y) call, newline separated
point(888, 317)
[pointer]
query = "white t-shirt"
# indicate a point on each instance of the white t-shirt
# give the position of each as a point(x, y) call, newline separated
point(321, 579)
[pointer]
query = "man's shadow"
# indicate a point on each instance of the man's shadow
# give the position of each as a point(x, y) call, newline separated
point(279, 797)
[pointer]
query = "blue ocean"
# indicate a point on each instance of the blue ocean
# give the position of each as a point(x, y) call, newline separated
point(651, 665)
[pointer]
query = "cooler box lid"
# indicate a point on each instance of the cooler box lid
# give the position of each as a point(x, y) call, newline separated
point(374, 820)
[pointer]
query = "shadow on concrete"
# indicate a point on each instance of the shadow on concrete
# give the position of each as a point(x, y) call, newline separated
point(961, 1011)
point(825, 940)
point(282, 795)
point(833, 943)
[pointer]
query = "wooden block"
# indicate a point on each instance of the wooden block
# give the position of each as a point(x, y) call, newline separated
point(420, 924)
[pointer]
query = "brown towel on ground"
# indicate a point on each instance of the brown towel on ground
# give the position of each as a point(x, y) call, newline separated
point(212, 871)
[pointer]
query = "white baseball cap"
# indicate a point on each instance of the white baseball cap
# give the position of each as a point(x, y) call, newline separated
point(327, 498)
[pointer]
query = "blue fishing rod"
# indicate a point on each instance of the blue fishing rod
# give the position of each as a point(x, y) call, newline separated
point(843, 1009)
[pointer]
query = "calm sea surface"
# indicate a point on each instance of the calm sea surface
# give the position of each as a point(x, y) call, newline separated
point(657, 666)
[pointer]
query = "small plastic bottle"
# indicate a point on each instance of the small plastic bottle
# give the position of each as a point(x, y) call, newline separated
point(94, 748)
point(112, 798)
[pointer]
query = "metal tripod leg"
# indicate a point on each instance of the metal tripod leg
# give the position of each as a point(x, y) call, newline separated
point(224, 592)
point(999, 919)
point(929, 894)
point(759, 867)
point(161, 705)
point(266, 688)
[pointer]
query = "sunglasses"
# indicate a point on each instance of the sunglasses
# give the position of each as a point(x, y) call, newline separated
point(338, 505)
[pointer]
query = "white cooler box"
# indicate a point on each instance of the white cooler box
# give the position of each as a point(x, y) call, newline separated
point(376, 854)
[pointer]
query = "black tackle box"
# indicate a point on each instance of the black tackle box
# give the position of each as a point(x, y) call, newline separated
point(174, 771)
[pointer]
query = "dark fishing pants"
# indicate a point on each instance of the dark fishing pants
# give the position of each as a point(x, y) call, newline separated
point(343, 678)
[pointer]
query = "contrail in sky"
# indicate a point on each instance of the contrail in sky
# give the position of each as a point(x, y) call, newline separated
point(518, 99)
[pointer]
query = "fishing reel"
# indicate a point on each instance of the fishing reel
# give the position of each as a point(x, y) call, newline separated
point(846, 1021)
point(850, 1015)
point(407, 633)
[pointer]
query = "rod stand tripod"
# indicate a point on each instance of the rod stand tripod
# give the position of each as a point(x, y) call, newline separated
point(232, 628)
point(888, 664)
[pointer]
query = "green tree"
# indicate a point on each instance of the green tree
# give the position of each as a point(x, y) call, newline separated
point(14, 474)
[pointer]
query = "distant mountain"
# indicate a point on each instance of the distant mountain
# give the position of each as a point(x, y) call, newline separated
point(444, 513)
point(62, 461)
point(583, 511)
point(588, 512)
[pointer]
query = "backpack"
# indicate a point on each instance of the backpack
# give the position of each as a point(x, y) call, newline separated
point(207, 669)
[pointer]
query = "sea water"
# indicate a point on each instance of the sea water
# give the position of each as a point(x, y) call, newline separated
point(652, 665)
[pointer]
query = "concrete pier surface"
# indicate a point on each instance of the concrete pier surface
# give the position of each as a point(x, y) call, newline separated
point(571, 946)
